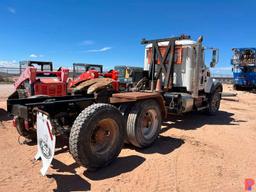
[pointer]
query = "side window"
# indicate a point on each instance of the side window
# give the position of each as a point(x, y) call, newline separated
point(46, 68)
point(79, 69)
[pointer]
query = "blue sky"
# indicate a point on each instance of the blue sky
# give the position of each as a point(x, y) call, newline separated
point(109, 32)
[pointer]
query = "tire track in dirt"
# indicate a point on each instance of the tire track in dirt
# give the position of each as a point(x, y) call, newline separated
point(191, 157)
point(214, 156)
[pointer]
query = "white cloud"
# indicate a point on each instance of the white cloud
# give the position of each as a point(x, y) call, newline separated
point(11, 10)
point(6, 63)
point(99, 50)
point(36, 55)
point(87, 42)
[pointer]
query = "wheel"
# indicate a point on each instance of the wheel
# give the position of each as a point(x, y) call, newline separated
point(143, 123)
point(97, 136)
point(214, 102)
point(125, 110)
point(20, 127)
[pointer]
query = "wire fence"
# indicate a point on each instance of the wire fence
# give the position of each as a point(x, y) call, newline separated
point(15, 71)
point(9, 71)
point(6, 72)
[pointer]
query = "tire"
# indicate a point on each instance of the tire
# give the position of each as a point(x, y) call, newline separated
point(20, 127)
point(214, 102)
point(144, 123)
point(125, 110)
point(97, 136)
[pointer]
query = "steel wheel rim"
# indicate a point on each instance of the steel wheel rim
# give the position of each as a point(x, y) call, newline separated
point(103, 136)
point(149, 123)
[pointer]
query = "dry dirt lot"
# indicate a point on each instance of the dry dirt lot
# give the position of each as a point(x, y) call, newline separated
point(193, 153)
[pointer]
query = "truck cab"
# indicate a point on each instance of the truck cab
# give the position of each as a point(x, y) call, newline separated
point(186, 75)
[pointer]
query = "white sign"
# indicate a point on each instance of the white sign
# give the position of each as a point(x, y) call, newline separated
point(45, 141)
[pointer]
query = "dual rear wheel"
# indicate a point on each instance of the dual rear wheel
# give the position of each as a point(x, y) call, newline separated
point(143, 123)
point(98, 133)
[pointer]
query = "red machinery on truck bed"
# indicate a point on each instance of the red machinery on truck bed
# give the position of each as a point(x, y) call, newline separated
point(84, 72)
point(38, 78)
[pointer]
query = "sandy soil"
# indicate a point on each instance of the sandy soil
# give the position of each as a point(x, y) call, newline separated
point(193, 153)
point(6, 90)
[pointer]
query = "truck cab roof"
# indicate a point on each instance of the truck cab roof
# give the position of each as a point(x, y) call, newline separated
point(177, 42)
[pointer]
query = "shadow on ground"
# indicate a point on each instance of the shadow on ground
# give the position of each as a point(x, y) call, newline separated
point(196, 120)
point(119, 166)
point(4, 116)
point(61, 167)
point(70, 183)
point(163, 145)
point(66, 181)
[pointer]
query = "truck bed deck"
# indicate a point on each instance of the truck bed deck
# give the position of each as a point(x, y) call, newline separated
point(52, 105)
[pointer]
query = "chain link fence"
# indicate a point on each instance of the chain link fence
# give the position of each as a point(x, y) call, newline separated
point(9, 73)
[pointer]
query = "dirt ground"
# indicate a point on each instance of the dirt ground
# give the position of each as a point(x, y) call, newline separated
point(193, 153)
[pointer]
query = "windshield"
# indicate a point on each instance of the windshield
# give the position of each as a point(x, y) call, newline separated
point(79, 69)
point(97, 68)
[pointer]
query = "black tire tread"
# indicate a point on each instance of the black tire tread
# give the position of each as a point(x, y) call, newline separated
point(208, 110)
point(132, 121)
point(82, 120)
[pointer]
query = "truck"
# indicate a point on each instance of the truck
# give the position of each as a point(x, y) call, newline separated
point(244, 68)
point(176, 80)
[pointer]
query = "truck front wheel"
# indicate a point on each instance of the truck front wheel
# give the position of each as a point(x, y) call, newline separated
point(144, 123)
point(97, 136)
point(214, 102)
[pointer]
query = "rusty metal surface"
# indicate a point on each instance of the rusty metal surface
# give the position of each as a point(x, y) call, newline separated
point(94, 84)
point(99, 84)
point(136, 95)
point(120, 100)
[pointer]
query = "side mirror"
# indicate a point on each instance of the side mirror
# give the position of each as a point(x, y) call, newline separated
point(215, 57)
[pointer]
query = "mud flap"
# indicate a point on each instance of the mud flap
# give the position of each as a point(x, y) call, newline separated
point(45, 142)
